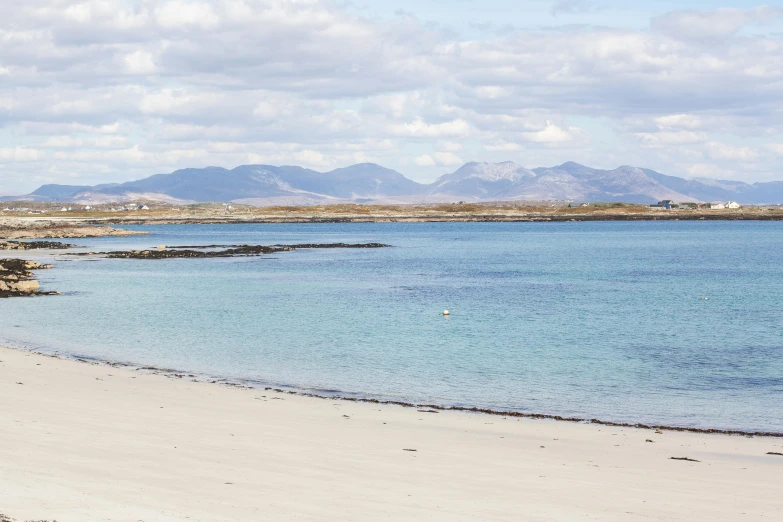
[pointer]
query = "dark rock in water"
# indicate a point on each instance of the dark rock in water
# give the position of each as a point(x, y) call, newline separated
point(16, 278)
point(234, 251)
point(303, 245)
point(337, 245)
point(172, 253)
point(34, 245)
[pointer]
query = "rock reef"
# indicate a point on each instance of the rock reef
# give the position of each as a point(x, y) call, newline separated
point(188, 253)
point(34, 245)
point(19, 228)
point(16, 278)
point(336, 245)
point(228, 250)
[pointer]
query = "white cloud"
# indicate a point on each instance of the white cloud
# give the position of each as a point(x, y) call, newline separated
point(79, 13)
point(95, 142)
point(503, 146)
point(419, 129)
point(447, 159)
point(425, 160)
point(491, 92)
point(139, 62)
point(312, 158)
point(682, 121)
point(440, 159)
point(667, 138)
point(37, 128)
point(775, 148)
point(553, 134)
point(706, 170)
point(19, 154)
point(574, 6)
point(173, 101)
point(311, 81)
point(179, 14)
point(722, 151)
point(712, 24)
point(449, 146)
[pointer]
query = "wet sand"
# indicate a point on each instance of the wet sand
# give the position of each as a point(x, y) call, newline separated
point(89, 442)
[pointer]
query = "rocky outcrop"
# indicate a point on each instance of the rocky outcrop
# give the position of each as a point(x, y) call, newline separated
point(228, 250)
point(16, 278)
point(30, 228)
point(68, 232)
point(34, 245)
point(187, 253)
point(335, 245)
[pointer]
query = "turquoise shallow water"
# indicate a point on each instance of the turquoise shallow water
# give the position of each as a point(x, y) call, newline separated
point(581, 319)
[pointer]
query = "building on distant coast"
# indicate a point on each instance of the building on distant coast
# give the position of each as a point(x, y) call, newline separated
point(721, 206)
point(666, 203)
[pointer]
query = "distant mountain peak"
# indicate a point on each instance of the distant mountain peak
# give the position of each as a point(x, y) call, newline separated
point(482, 180)
point(571, 165)
point(505, 170)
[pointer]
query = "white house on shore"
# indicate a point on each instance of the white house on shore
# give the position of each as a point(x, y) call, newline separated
point(721, 206)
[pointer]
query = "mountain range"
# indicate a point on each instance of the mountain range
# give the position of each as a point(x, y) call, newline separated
point(370, 183)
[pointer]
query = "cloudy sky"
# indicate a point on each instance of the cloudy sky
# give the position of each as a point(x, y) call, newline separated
point(112, 90)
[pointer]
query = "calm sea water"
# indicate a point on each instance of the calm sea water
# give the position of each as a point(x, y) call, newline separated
point(585, 319)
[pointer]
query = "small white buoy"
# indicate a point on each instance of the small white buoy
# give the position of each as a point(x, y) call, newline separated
point(446, 312)
point(705, 298)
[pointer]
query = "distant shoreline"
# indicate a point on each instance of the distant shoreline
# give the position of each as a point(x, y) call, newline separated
point(95, 224)
point(439, 219)
point(79, 221)
point(90, 227)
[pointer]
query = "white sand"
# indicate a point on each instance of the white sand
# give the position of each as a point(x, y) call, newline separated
point(82, 442)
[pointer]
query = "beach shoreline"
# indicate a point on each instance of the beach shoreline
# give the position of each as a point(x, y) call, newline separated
point(83, 442)
point(370, 398)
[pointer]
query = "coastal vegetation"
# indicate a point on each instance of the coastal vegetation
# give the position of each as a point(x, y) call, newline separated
point(48, 222)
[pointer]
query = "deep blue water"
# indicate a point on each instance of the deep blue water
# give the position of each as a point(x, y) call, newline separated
point(585, 319)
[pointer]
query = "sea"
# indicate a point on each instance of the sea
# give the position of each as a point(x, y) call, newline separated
point(677, 323)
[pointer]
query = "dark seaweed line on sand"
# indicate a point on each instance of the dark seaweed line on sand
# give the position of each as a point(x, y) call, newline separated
point(546, 416)
point(168, 372)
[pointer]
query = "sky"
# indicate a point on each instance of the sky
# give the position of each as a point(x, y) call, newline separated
point(102, 91)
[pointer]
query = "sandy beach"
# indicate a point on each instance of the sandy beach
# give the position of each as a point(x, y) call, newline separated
point(90, 442)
